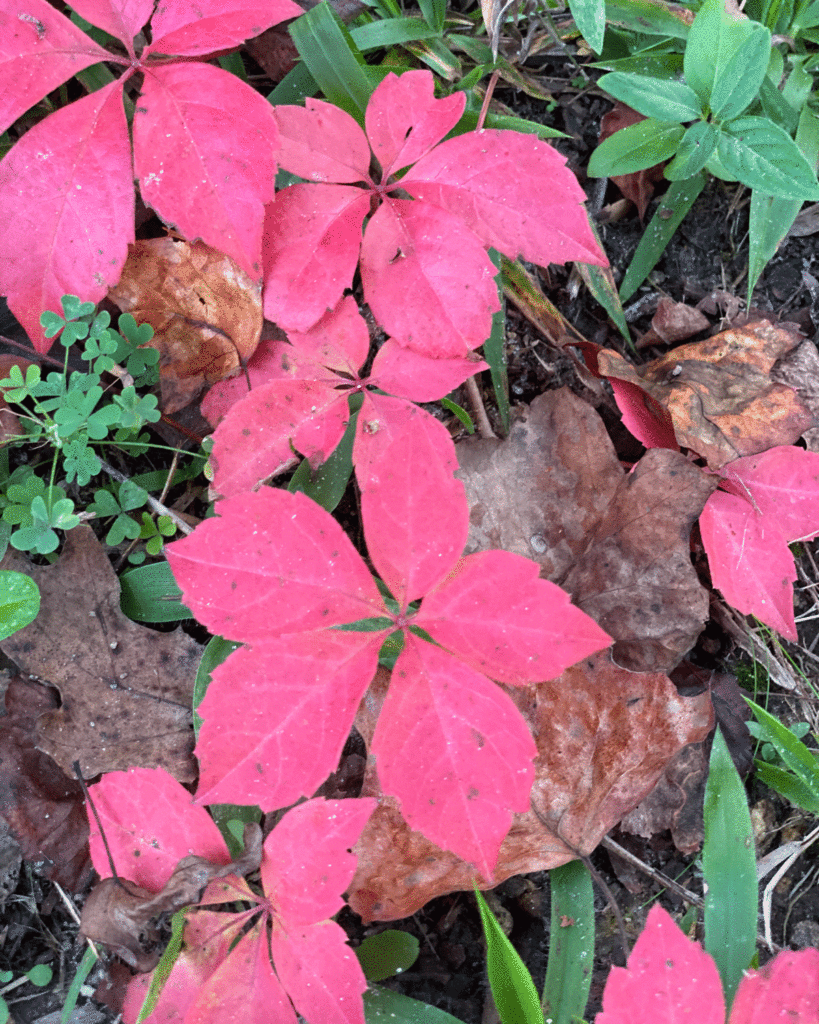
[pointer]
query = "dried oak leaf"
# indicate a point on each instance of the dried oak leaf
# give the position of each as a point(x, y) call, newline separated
point(604, 736)
point(672, 322)
point(542, 490)
point(720, 393)
point(122, 915)
point(206, 312)
point(126, 690)
point(635, 577)
point(43, 807)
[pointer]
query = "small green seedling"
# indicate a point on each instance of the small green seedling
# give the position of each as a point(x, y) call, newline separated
point(40, 975)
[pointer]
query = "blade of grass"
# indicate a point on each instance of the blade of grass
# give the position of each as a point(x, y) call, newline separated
point(729, 870)
point(512, 987)
point(494, 349)
point(571, 943)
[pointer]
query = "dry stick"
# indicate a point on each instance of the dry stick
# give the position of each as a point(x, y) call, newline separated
point(669, 883)
point(157, 506)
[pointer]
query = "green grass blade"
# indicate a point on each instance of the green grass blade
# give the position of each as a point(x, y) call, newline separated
point(494, 349)
point(676, 203)
point(434, 12)
point(294, 87)
point(381, 34)
point(571, 945)
point(333, 59)
point(84, 969)
point(729, 870)
point(163, 969)
point(790, 748)
point(512, 987)
point(150, 594)
point(600, 282)
point(788, 785)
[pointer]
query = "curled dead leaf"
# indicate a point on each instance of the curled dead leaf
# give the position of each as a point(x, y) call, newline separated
point(206, 312)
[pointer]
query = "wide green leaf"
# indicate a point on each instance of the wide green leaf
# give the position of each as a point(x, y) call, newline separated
point(738, 80)
point(382, 1006)
point(660, 98)
point(390, 32)
point(729, 870)
point(696, 147)
point(571, 943)
point(150, 594)
point(636, 147)
point(590, 18)
point(387, 953)
point(763, 156)
point(649, 17)
point(19, 602)
point(512, 987)
point(715, 37)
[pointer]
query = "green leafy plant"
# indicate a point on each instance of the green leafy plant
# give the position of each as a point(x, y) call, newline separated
point(727, 117)
point(67, 411)
point(787, 765)
point(39, 975)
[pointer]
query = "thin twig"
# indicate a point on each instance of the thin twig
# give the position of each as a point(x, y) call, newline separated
point(475, 400)
point(157, 506)
point(487, 99)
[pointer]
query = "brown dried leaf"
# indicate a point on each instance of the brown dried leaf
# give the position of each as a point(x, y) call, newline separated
point(206, 312)
point(122, 915)
point(672, 322)
point(43, 807)
point(800, 371)
point(126, 690)
point(639, 185)
point(604, 736)
point(720, 392)
point(543, 490)
point(635, 577)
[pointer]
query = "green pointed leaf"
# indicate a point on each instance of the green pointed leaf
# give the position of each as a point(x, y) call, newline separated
point(512, 987)
point(571, 944)
point(636, 147)
point(763, 156)
point(697, 145)
point(791, 749)
point(729, 870)
point(738, 81)
point(660, 98)
point(715, 37)
point(590, 18)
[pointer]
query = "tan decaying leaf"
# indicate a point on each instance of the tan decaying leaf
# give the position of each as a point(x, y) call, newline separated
point(673, 322)
point(604, 737)
point(123, 916)
point(126, 690)
point(206, 312)
point(554, 491)
point(720, 393)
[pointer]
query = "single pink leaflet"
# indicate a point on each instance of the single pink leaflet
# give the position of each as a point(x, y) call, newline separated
point(671, 979)
point(299, 399)
point(772, 501)
point(274, 571)
point(424, 266)
point(204, 145)
point(306, 865)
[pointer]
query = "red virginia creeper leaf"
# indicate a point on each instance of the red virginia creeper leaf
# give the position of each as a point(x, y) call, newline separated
point(786, 989)
point(66, 209)
point(643, 416)
point(750, 561)
point(265, 364)
point(404, 120)
point(783, 484)
point(195, 27)
point(409, 374)
point(150, 822)
point(340, 340)
point(204, 154)
point(284, 737)
point(253, 441)
point(120, 18)
point(519, 630)
point(414, 511)
point(455, 751)
point(271, 563)
point(514, 191)
point(321, 142)
point(422, 296)
point(39, 50)
point(312, 238)
point(668, 978)
point(307, 863)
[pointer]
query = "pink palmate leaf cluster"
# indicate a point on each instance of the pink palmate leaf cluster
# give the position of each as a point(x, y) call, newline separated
point(281, 956)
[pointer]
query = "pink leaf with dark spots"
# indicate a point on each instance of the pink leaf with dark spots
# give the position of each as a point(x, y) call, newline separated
point(409, 374)
point(66, 209)
point(120, 18)
point(513, 191)
point(320, 142)
point(424, 298)
point(204, 154)
point(415, 515)
point(454, 750)
point(785, 989)
point(404, 120)
point(273, 563)
point(282, 740)
point(521, 628)
point(265, 364)
point(39, 50)
point(312, 238)
point(340, 340)
point(193, 28)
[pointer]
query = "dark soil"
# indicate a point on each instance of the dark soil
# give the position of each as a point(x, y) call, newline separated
point(709, 252)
